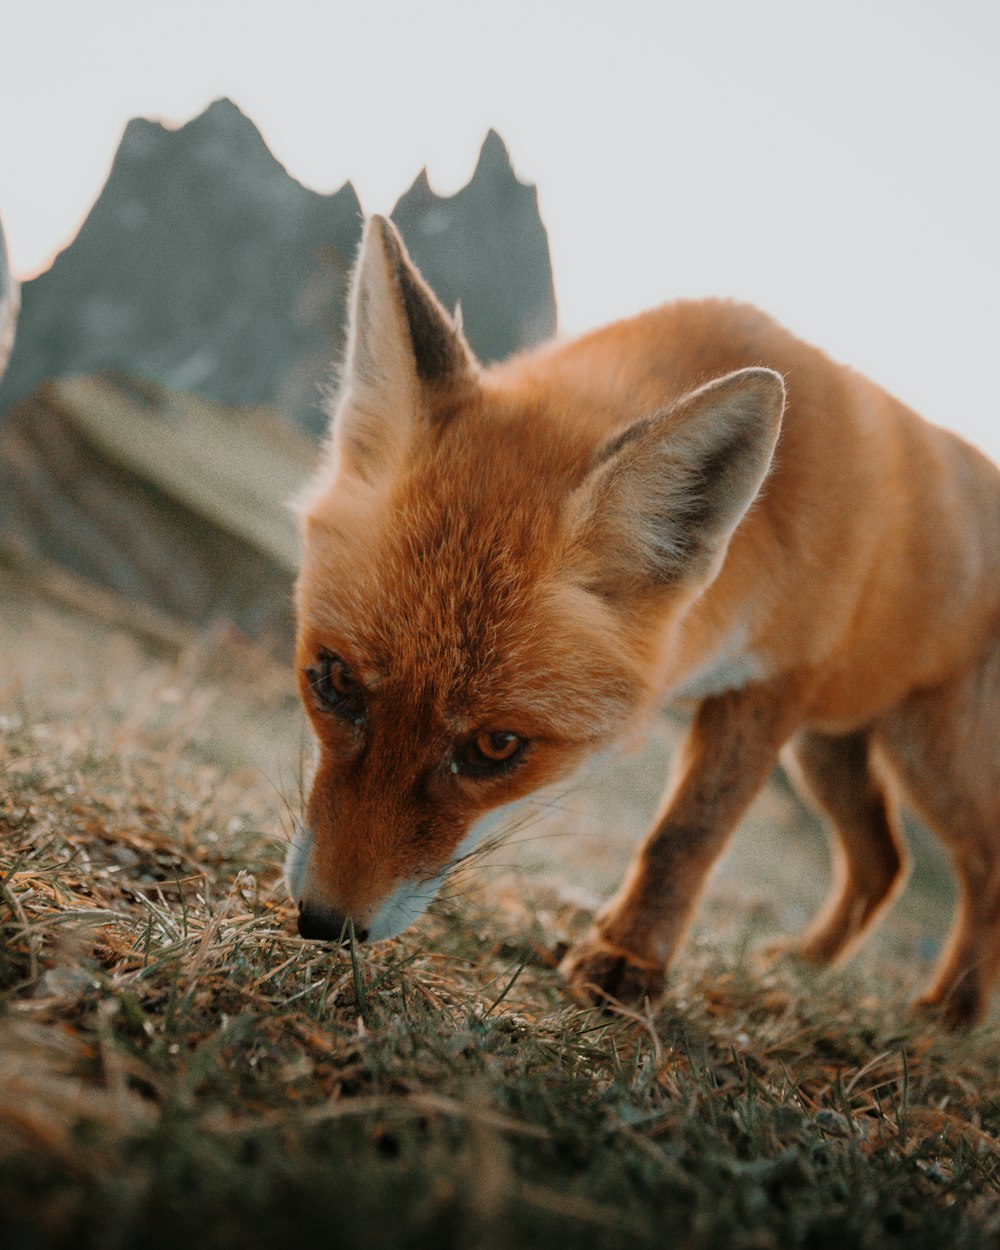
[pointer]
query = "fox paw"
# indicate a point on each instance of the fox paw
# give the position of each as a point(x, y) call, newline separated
point(599, 972)
point(792, 948)
point(955, 1011)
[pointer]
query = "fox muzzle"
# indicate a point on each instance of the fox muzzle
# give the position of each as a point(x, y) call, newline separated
point(324, 924)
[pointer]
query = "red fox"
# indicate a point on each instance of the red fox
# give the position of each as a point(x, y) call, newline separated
point(508, 569)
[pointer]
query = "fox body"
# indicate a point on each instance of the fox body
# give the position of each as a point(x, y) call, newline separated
point(508, 569)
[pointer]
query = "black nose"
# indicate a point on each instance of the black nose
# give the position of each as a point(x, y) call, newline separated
point(323, 924)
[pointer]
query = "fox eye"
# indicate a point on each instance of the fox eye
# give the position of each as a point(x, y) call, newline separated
point(335, 689)
point(488, 753)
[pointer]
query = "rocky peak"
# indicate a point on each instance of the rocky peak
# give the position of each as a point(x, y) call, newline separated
point(206, 267)
point(485, 247)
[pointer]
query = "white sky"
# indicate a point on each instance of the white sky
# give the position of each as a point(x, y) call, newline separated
point(836, 163)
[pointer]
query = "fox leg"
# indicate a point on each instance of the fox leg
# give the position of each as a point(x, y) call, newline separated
point(968, 968)
point(729, 751)
point(869, 863)
point(943, 744)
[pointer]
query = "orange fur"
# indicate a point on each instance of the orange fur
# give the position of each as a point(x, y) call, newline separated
point(550, 547)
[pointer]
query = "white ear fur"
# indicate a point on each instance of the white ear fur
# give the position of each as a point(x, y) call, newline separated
point(378, 348)
point(401, 345)
point(667, 493)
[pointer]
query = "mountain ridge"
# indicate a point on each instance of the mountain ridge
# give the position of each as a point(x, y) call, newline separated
point(205, 266)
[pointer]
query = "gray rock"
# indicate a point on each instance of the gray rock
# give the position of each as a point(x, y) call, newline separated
point(487, 249)
point(204, 266)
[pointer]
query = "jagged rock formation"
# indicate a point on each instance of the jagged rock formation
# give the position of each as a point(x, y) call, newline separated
point(202, 265)
point(165, 499)
point(485, 248)
point(206, 267)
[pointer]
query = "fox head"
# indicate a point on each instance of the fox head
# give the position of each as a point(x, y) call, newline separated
point(485, 588)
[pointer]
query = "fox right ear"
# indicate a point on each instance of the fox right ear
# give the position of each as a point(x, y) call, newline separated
point(666, 494)
point(402, 349)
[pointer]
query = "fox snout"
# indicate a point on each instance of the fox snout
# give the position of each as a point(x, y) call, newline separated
point(320, 919)
point(330, 903)
point(324, 924)
point(391, 914)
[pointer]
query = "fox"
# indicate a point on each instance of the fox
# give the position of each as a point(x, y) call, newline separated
point(509, 569)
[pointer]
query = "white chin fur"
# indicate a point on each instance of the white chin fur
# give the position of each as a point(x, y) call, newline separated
point(296, 858)
point(409, 901)
point(406, 903)
point(490, 823)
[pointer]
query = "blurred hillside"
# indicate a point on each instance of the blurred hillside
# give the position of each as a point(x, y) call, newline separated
point(165, 499)
point(145, 439)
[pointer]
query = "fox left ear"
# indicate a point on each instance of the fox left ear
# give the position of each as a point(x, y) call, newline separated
point(666, 494)
point(402, 347)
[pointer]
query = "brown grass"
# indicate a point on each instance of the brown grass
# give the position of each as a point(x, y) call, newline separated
point(176, 1065)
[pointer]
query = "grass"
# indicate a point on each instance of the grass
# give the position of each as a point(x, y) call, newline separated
point(177, 1068)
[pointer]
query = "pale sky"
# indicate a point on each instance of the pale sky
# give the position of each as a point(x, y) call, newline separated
point(837, 164)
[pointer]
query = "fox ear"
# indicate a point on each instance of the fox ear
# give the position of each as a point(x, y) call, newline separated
point(401, 346)
point(661, 503)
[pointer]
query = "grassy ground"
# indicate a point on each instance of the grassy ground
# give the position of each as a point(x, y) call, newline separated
point(178, 1069)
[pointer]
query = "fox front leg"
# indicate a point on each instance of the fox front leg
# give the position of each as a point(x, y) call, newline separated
point(729, 752)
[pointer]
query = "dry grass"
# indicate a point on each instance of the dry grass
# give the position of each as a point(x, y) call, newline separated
point(177, 1068)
